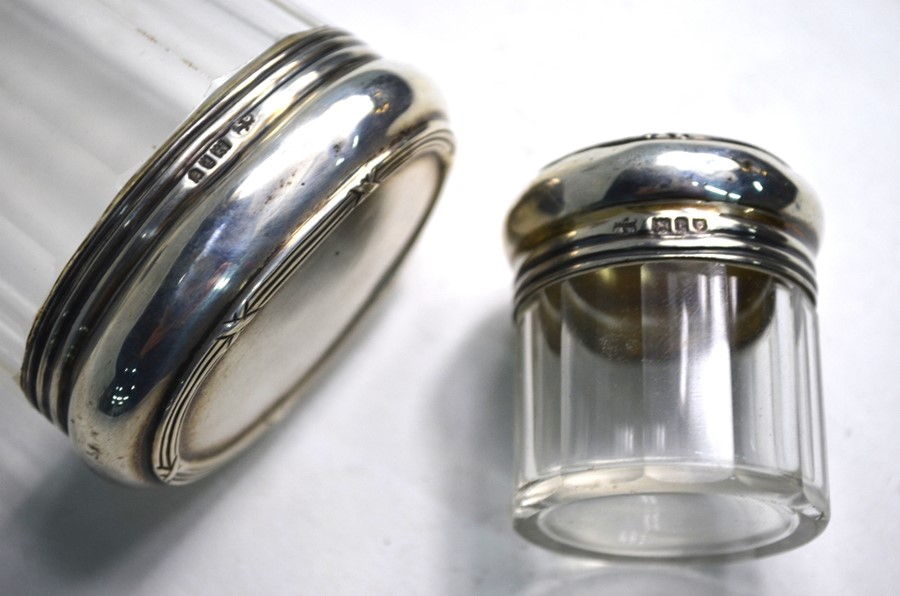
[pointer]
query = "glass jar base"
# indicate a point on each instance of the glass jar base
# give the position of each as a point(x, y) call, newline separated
point(670, 511)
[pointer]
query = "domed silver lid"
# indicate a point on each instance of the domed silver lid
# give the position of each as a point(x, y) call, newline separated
point(660, 197)
point(233, 263)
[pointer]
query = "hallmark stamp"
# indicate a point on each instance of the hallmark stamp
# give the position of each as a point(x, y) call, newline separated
point(661, 225)
point(243, 124)
point(678, 226)
point(220, 147)
point(625, 226)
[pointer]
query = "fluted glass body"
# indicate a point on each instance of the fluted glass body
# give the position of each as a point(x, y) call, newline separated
point(94, 88)
point(670, 409)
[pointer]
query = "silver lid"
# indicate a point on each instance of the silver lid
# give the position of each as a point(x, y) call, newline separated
point(237, 258)
point(659, 197)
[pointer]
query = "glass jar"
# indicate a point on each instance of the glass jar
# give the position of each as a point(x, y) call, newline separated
point(670, 404)
point(199, 200)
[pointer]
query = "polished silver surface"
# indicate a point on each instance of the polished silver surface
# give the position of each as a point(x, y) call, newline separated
point(664, 196)
point(233, 262)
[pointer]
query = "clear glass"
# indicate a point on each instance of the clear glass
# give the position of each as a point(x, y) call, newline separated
point(88, 91)
point(670, 409)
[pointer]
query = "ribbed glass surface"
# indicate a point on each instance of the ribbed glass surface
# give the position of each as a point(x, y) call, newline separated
point(88, 90)
point(670, 409)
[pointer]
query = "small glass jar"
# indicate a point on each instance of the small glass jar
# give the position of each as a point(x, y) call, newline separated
point(198, 201)
point(669, 398)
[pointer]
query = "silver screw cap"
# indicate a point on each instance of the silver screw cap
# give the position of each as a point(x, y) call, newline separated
point(661, 197)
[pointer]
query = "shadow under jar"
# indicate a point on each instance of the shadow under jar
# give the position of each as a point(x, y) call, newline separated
point(669, 400)
point(199, 200)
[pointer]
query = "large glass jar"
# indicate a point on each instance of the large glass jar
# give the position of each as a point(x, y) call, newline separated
point(199, 199)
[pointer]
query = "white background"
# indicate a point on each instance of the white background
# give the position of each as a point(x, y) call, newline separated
point(396, 476)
